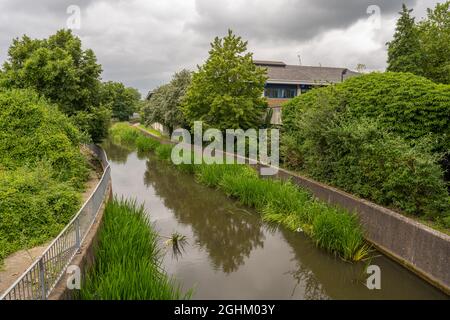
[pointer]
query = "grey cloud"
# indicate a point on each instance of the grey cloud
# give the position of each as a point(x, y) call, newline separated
point(298, 20)
point(142, 42)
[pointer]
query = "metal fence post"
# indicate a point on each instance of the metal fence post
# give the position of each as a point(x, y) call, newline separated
point(77, 233)
point(42, 279)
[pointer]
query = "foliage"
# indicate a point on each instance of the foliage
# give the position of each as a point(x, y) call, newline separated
point(164, 151)
point(374, 140)
point(145, 144)
point(226, 92)
point(422, 48)
point(408, 105)
point(123, 133)
point(164, 105)
point(32, 130)
point(404, 50)
point(121, 100)
point(59, 70)
point(41, 170)
point(34, 206)
point(128, 259)
point(435, 43)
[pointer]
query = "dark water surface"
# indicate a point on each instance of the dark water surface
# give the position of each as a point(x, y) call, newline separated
point(232, 254)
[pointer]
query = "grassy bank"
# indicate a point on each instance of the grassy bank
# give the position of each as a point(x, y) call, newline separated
point(281, 202)
point(128, 259)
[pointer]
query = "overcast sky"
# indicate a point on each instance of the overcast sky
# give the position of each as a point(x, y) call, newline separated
point(143, 42)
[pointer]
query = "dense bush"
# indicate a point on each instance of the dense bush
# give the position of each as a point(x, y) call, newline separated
point(32, 130)
point(376, 136)
point(34, 207)
point(403, 103)
point(42, 170)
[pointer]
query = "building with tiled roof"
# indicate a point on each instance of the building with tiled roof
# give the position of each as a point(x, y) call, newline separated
point(287, 81)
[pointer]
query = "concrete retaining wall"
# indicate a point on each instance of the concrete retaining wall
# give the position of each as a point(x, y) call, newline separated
point(421, 249)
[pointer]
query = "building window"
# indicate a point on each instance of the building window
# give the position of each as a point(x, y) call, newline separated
point(280, 92)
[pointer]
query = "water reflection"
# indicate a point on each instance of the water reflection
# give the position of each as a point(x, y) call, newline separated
point(227, 231)
point(116, 153)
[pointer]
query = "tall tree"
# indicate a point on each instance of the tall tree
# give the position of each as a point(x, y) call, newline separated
point(404, 53)
point(227, 91)
point(435, 41)
point(165, 103)
point(121, 100)
point(61, 71)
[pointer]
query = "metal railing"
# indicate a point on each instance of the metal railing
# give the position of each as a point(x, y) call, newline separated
point(38, 281)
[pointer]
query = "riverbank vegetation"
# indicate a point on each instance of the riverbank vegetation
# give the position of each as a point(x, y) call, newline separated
point(164, 105)
point(52, 101)
point(282, 202)
point(42, 170)
point(128, 259)
point(381, 136)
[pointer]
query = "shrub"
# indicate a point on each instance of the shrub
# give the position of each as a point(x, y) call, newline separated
point(34, 207)
point(123, 133)
point(128, 259)
point(408, 105)
point(31, 130)
point(333, 135)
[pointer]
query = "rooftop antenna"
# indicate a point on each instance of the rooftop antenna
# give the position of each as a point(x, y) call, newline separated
point(299, 59)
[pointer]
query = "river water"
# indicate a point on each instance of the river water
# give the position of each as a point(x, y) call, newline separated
point(232, 254)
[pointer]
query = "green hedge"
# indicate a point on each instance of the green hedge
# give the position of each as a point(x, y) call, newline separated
point(34, 207)
point(42, 170)
point(32, 130)
point(377, 136)
point(403, 103)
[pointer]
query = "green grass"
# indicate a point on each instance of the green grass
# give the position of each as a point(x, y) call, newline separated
point(282, 202)
point(151, 130)
point(164, 151)
point(128, 259)
point(123, 133)
point(145, 144)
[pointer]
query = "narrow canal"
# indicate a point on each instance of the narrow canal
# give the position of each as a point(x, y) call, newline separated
point(232, 254)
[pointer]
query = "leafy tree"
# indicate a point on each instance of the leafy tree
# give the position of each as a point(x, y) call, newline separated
point(58, 69)
point(422, 48)
point(121, 100)
point(227, 91)
point(435, 43)
point(404, 54)
point(165, 104)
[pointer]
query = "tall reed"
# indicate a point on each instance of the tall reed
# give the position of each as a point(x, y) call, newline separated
point(128, 259)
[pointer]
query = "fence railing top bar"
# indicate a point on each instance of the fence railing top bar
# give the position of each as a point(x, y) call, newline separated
point(106, 170)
